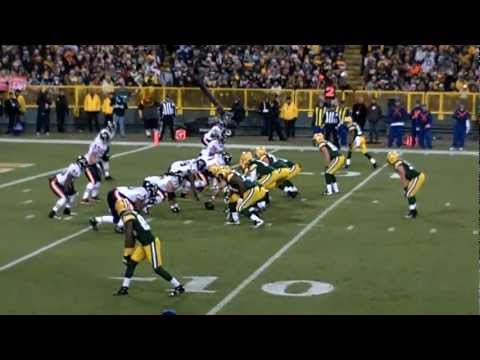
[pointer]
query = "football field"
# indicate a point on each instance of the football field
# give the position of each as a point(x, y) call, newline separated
point(352, 253)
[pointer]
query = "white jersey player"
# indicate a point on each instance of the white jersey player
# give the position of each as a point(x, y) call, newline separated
point(167, 185)
point(191, 172)
point(62, 186)
point(105, 160)
point(96, 151)
point(136, 196)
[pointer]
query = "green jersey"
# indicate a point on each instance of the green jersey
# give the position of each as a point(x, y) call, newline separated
point(261, 167)
point(282, 163)
point(141, 229)
point(331, 148)
point(410, 171)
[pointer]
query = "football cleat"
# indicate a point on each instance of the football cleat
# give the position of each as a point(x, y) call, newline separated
point(174, 209)
point(177, 291)
point(51, 214)
point(209, 205)
point(412, 214)
point(232, 222)
point(346, 166)
point(93, 223)
point(96, 198)
point(85, 202)
point(257, 224)
point(292, 194)
point(109, 178)
point(122, 291)
point(326, 193)
point(374, 165)
point(67, 211)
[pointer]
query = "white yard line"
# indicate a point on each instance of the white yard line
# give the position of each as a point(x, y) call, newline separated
point(51, 172)
point(288, 245)
point(235, 146)
point(44, 248)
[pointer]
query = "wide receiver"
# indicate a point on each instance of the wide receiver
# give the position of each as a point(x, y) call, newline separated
point(356, 141)
point(242, 196)
point(62, 186)
point(411, 180)
point(334, 162)
point(148, 247)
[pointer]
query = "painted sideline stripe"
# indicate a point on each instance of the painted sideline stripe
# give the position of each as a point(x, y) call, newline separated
point(43, 249)
point(237, 146)
point(288, 245)
point(51, 172)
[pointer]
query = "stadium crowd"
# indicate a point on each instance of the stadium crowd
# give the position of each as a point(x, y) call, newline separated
point(237, 66)
point(422, 68)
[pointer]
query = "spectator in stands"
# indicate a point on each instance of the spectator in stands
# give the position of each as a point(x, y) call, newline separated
point(415, 118)
point(274, 121)
point(289, 115)
point(461, 127)
point(424, 127)
point(148, 112)
point(359, 112)
point(107, 108)
point(91, 106)
point(264, 110)
point(374, 114)
point(238, 111)
point(43, 112)
point(62, 110)
point(396, 119)
point(120, 106)
point(12, 111)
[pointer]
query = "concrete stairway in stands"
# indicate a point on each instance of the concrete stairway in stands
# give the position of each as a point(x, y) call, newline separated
point(353, 58)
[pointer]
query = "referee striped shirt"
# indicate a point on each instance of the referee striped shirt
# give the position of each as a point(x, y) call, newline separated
point(168, 108)
point(331, 117)
point(319, 113)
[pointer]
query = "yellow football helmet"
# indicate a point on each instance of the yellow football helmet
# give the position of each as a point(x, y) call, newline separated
point(214, 169)
point(260, 151)
point(223, 172)
point(348, 120)
point(122, 206)
point(245, 159)
point(392, 157)
point(318, 138)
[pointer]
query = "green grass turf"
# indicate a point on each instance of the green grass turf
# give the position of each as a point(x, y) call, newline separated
point(407, 271)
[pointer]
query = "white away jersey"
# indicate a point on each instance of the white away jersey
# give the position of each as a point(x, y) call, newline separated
point(163, 182)
point(73, 170)
point(184, 168)
point(133, 193)
point(215, 132)
point(96, 150)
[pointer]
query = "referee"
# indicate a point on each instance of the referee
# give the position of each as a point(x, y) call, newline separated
point(167, 113)
point(319, 112)
point(331, 121)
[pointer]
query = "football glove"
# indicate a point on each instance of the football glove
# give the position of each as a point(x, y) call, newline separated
point(209, 205)
point(175, 208)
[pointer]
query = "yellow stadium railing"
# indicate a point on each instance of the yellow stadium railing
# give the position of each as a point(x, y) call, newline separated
point(441, 104)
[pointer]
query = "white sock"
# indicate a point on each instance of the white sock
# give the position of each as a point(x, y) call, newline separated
point(106, 168)
point(71, 200)
point(96, 189)
point(293, 189)
point(119, 224)
point(413, 206)
point(108, 219)
point(335, 187)
point(174, 282)
point(59, 204)
point(286, 189)
point(348, 162)
point(372, 160)
point(329, 188)
point(88, 191)
point(235, 216)
point(126, 282)
point(262, 205)
point(255, 217)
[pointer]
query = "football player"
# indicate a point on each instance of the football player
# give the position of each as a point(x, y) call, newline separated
point(256, 170)
point(105, 160)
point(293, 169)
point(356, 141)
point(167, 185)
point(93, 170)
point(148, 247)
point(242, 196)
point(217, 132)
point(137, 197)
point(333, 159)
point(411, 180)
point(62, 186)
point(190, 171)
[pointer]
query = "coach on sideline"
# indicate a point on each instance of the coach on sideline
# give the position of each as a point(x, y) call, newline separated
point(167, 114)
